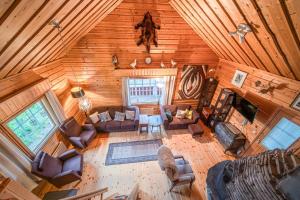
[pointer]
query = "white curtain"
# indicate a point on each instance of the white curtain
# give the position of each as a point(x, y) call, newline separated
point(167, 93)
point(56, 106)
point(125, 91)
point(15, 164)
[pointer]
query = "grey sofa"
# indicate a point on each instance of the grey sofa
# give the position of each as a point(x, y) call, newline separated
point(116, 126)
point(176, 168)
point(177, 123)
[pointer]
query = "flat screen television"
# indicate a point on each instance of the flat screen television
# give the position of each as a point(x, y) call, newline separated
point(247, 109)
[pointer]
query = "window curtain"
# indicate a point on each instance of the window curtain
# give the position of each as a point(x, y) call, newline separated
point(125, 91)
point(15, 164)
point(56, 106)
point(167, 93)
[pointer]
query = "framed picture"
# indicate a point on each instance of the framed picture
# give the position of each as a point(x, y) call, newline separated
point(296, 103)
point(239, 78)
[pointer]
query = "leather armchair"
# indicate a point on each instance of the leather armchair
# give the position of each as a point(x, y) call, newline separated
point(176, 168)
point(79, 136)
point(59, 171)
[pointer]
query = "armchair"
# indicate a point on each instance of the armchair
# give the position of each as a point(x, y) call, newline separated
point(59, 171)
point(176, 168)
point(79, 136)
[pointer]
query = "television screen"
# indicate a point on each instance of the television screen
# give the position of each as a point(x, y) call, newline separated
point(247, 109)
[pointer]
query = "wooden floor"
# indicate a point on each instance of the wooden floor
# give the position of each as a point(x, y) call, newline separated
point(202, 153)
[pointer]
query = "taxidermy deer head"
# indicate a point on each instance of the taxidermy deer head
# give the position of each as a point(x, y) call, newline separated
point(270, 87)
point(241, 31)
point(148, 31)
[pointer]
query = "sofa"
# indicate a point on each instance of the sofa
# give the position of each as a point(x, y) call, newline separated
point(60, 170)
point(177, 123)
point(116, 126)
point(79, 136)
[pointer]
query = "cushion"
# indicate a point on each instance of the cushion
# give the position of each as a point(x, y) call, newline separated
point(94, 117)
point(171, 108)
point(113, 125)
point(104, 116)
point(183, 107)
point(50, 166)
point(180, 114)
point(73, 129)
point(130, 114)
point(289, 185)
point(73, 163)
point(119, 116)
point(112, 110)
point(87, 135)
point(169, 116)
point(189, 114)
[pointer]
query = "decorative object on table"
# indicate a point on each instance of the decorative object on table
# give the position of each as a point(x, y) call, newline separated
point(208, 91)
point(148, 60)
point(195, 130)
point(162, 65)
point(173, 63)
point(60, 170)
point(296, 103)
point(192, 80)
point(241, 31)
point(178, 170)
point(132, 152)
point(222, 107)
point(239, 78)
point(76, 91)
point(269, 87)
point(79, 136)
point(115, 61)
point(133, 64)
point(148, 31)
point(231, 138)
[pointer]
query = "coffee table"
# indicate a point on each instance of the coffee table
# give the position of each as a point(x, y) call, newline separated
point(144, 120)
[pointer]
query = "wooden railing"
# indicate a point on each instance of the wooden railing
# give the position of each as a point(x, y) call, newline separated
point(88, 195)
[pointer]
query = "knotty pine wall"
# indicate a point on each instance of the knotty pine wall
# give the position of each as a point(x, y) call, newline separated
point(267, 103)
point(91, 56)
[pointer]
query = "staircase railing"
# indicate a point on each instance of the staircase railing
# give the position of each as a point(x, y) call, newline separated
point(88, 195)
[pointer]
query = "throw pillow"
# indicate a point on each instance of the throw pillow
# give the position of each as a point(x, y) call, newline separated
point(169, 116)
point(130, 114)
point(189, 114)
point(104, 116)
point(94, 117)
point(180, 114)
point(119, 116)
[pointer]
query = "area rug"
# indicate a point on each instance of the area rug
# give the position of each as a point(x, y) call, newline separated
point(132, 152)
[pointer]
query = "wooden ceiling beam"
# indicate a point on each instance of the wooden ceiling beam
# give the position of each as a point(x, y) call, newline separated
point(197, 30)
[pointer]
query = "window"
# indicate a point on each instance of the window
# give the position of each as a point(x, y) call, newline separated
point(283, 135)
point(145, 91)
point(34, 125)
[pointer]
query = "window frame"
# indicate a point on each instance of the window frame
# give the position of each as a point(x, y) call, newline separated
point(18, 142)
point(145, 90)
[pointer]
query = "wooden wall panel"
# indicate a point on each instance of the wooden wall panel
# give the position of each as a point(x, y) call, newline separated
point(267, 103)
point(273, 45)
point(91, 57)
point(26, 38)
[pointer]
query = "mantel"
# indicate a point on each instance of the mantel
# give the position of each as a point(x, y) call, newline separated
point(145, 72)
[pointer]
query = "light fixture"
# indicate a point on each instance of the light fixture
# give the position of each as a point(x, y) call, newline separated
point(76, 92)
point(85, 105)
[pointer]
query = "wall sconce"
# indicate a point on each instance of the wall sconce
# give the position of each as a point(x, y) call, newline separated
point(115, 61)
point(173, 63)
point(241, 31)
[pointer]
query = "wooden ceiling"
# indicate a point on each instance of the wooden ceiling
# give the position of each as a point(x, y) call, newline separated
point(273, 45)
point(26, 38)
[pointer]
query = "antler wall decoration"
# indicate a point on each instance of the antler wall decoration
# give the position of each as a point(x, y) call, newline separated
point(241, 31)
point(269, 87)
